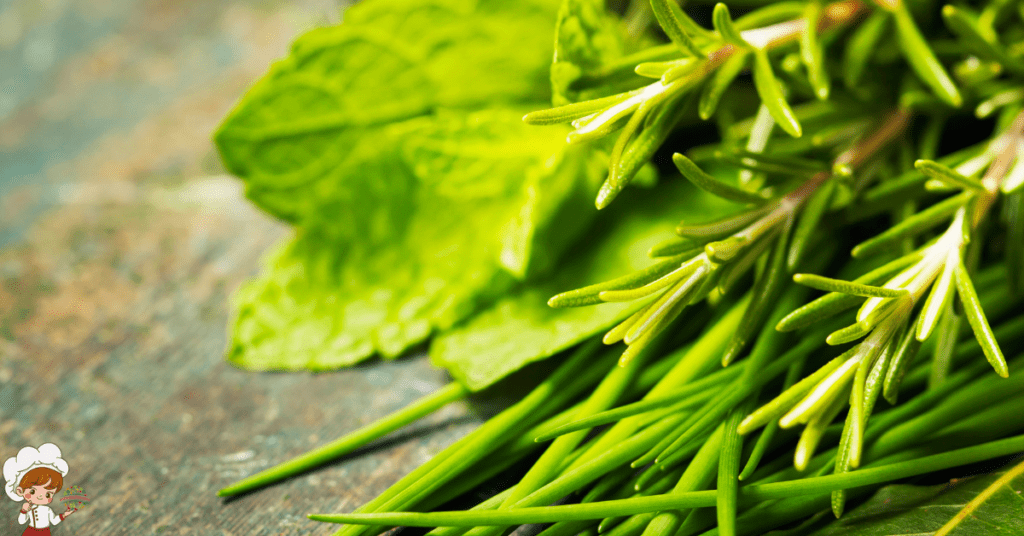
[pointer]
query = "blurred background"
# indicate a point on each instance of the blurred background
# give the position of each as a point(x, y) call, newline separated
point(121, 240)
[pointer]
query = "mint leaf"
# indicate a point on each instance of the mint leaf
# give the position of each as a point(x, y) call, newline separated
point(394, 144)
point(520, 328)
point(587, 40)
point(300, 136)
point(902, 510)
point(464, 203)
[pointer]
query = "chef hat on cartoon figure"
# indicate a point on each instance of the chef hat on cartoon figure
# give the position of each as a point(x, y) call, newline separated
point(28, 458)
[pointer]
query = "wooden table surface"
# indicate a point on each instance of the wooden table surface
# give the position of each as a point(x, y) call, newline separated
point(122, 241)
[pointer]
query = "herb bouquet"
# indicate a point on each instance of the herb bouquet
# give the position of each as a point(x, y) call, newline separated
point(844, 182)
point(75, 498)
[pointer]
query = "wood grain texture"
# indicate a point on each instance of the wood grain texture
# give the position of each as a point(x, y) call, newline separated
point(120, 251)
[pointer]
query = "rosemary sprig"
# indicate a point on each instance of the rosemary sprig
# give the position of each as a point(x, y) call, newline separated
point(725, 259)
point(725, 55)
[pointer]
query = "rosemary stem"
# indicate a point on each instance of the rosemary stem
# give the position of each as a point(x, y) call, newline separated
point(892, 128)
point(997, 171)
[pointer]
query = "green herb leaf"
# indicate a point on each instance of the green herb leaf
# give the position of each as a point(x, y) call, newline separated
point(520, 328)
point(714, 186)
point(722, 79)
point(905, 509)
point(463, 203)
point(948, 175)
point(986, 46)
point(770, 91)
point(834, 302)
point(808, 223)
point(976, 317)
point(670, 18)
point(938, 299)
point(812, 53)
point(316, 116)
point(770, 14)
point(637, 151)
point(717, 228)
point(911, 226)
point(903, 356)
point(576, 110)
point(722, 21)
point(411, 212)
point(921, 57)
point(779, 405)
point(588, 42)
point(862, 44)
point(847, 287)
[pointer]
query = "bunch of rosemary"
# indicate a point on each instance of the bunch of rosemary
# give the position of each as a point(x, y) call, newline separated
point(742, 401)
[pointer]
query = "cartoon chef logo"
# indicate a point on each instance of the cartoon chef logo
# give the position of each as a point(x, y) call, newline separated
point(35, 476)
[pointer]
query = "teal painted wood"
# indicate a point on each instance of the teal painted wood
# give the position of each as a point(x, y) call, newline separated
point(121, 241)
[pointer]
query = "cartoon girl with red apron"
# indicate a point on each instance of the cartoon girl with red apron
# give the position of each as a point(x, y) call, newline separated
point(35, 476)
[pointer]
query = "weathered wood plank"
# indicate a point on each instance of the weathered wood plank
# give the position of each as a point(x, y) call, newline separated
point(116, 269)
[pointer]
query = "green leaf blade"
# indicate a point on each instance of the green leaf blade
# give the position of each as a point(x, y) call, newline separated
point(976, 318)
point(712, 185)
point(520, 328)
point(948, 175)
point(668, 14)
point(770, 91)
point(589, 44)
point(862, 44)
point(723, 78)
point(811, 52)
point(922, 59)
point(337, 294)
point(926, 219)
point(960, 23)
point(847, 287)
point(722, 21)
point(908, 509)
point(807, 223)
